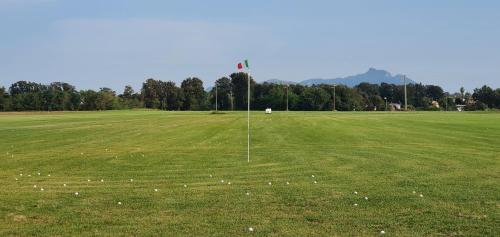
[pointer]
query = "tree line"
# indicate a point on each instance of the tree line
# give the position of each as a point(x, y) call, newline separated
point(232, 95)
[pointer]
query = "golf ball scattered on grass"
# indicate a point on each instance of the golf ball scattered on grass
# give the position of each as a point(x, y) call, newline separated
point(185, 186)
point(248, 194)
point(315, 182)
point(421, 195)
point(355, 204)
point(131, 180)
point(270, 183)
point(355, 192)
point(34, 186)
point(250, 229)
point(366, 198)
point(287, 183)
point(382, 232)
point(229, 183)
point(76, 193)
point(119, 203)
point(156, 190)
point(41, 189)
point(102, 180)
point(64, 185)
point(222, 181)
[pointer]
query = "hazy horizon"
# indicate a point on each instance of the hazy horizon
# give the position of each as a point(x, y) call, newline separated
point(93, 44)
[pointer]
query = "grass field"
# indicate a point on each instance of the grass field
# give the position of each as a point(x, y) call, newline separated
point(450, 160)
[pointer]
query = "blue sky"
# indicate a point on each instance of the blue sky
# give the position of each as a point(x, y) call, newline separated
point(95, 43)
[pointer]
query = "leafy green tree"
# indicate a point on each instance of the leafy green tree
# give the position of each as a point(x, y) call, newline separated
point(194, 94)
point(106, 99)
point(224, 88)
point(239, 83)
point(485, 95)
point(4, 100)
point(89, 100)
point(150, 93)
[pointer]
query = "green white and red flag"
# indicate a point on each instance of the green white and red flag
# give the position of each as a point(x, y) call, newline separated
point(244, 64)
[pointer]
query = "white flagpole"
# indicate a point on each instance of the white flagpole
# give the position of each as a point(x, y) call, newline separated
point(248, 117)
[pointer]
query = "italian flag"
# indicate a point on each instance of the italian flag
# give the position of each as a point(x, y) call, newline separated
point(244, 63)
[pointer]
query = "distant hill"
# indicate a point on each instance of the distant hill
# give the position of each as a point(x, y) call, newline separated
point(373, 76)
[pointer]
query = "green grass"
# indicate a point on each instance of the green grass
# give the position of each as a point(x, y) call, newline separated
point(453, 159)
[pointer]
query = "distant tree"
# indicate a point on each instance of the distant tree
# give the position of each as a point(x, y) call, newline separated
point(150, 93)
point(88, 100)
point(224, 88)
point(434, 92)
point(485, 95)
point(4, 100)
point(314, 98)
point(129, 99)
point(194, 94)
point(106, 99)
point(239, 83)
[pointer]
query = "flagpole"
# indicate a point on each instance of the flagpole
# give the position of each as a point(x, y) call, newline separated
point(248, 117)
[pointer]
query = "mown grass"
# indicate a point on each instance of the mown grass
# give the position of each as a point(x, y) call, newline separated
point(452, 159)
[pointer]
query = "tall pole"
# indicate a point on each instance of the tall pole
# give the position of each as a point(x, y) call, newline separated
point(287, 97)
point(385, 98)
point(406, 103)
point(446, 101)
point(231, 98)
point(248, 117)
point(334, 97)
point(216, 96)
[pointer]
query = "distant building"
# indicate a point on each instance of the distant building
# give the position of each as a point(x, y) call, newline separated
point(394, 106)
point(435, 104)
point(460, 108)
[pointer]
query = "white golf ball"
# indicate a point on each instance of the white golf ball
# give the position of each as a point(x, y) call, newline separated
point(421, 195)
point(76, 193)
point(64, 185)
point(41, 189)
point(20, 174)
point(210, 176)
point(34, 186)
point(38, 173)
point(29, 175)
point(88, 180)
point(229, 183)
point(185, 186)
point(48, 175)
point(287, 183)
point(131, 180)
point(414, 192)
point(102, 180)
point(382, 232)
point(315, 182)
point(119, 203)
point(355, 192)
point(355, 204)
point(312, 176)
point(270, 183)
point(156, 190)
point(366, 198)
point(250, 229)
point(248, 194)
point(17, 179)
point(222, 181)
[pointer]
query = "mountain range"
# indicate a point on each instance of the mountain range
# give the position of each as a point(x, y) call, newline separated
point(372, 76)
